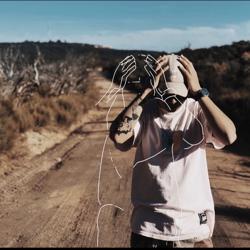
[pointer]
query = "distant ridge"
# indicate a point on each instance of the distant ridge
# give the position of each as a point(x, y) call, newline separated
point(57, 68)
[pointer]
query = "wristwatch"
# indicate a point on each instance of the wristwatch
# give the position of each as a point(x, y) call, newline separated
point(200, 93)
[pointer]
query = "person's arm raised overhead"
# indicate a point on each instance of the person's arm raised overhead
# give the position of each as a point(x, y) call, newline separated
point(221, 125)
point(122, 128)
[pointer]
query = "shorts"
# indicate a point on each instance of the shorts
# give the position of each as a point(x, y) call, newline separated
point(139, 241)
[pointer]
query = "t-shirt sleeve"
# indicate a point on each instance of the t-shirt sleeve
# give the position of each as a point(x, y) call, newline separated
point(149, 110)
point(140, 125)
point(137, 132)
point(209, 137)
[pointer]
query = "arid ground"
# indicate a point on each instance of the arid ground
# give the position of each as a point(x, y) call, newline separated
point(51, 198)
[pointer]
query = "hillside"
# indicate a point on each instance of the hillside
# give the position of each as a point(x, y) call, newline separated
point(32, 71)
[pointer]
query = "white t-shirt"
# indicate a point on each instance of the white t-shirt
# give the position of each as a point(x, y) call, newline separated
point(170, 184)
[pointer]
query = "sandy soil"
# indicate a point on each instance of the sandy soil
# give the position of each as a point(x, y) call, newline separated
point(50, 199)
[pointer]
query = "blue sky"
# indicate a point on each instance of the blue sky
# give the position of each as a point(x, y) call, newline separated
point(154, 25)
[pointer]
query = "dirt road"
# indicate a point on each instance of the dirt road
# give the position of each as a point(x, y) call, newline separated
point(54, 200)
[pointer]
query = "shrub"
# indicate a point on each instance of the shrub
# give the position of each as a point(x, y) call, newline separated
point(41, 111)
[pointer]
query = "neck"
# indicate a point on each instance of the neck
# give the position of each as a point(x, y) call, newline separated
point(170, 105)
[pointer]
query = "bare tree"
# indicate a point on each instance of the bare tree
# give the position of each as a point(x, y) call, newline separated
point(38, 61)
point(8, 61)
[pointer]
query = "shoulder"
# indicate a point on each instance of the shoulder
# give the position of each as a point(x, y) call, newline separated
point(193, 106)
point(151, 106)
point(191, 102)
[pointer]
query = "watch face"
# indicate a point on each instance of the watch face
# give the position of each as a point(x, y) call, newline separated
point(204, 92)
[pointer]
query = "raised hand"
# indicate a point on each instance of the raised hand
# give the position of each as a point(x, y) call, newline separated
point(189, 71)
point(156, 68)
point(128, 66)
point(123, 70)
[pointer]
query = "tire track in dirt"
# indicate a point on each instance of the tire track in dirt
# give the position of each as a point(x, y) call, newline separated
point(51, 202)
point(41, 208)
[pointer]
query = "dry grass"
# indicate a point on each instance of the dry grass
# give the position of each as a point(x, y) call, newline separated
point(40, 112)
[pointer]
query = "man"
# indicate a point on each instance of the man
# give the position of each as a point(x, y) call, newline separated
point(171, 194)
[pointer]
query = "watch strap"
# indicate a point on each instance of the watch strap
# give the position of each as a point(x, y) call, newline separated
point(200, 93)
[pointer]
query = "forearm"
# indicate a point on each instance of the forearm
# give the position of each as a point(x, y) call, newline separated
point(128, 120)
point(132, 107)
point(222, 126)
